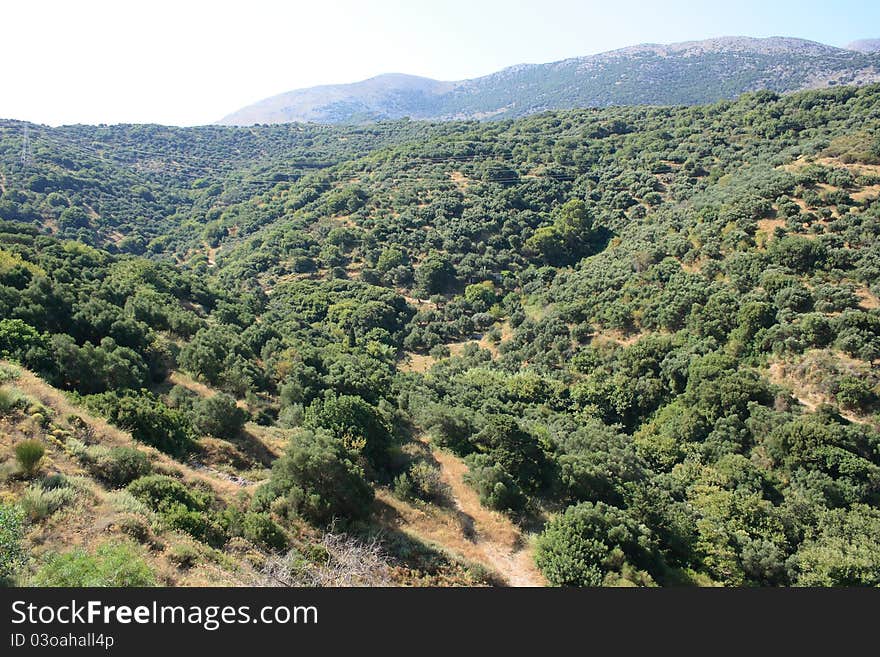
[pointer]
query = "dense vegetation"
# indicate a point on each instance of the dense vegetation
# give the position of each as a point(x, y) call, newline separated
point(654, 331)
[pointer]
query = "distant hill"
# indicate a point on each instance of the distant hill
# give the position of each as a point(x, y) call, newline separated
point(865, 45)
point(686, 73)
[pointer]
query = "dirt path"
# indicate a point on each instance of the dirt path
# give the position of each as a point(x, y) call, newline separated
point(504, 547)
point(468, 528)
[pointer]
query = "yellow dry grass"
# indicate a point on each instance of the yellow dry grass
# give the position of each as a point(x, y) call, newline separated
point(867, 192)
point(866, 299)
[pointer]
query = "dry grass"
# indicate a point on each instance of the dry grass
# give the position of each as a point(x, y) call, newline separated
point(459, 179)
point(806, 378)
point(857, 169)
point(416, 363)
point(865, 193)
point(106, 434)
point(867, 300)
point(94, 517)
point(770, 225)
point(618, 337)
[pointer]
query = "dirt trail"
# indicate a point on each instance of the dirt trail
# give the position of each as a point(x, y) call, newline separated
point(500, 541)
point(469, 529)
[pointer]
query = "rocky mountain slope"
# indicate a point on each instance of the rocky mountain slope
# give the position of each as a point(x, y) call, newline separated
point(686, 73)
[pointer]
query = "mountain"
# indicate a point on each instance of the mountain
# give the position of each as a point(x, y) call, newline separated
point(685, 73)
point(384, 96)
point(864, 45)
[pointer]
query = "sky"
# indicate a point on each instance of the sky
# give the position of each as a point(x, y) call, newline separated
point(188, 62)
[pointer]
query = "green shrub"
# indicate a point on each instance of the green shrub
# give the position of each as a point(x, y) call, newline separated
point(112, 564)
point(9, 373)
point(8, 401)
point(855, 394)
point(11, 535)
point(179, 507)
point(29, 453)
point(159, 491)
point(147, 418)
point(589, 542)
point(119, 466)
point(421, 481)
point(197, 524)
point(497, 489)
point(358, 424)
point(39, 503)
point(262, 530)
point(319, 479)
point(219, 416)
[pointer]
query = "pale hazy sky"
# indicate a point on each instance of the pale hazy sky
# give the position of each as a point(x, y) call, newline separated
point(187, 63)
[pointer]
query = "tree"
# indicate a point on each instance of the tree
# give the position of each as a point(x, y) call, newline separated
point(434, 275)
point(21, 342)
point(480, 296)
point(845, 550)
point(206, 355)
point(515, 450)
point(569, 238)
point(358, 425)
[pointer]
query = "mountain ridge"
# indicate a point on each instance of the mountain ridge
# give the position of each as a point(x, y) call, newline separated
point(688, 72)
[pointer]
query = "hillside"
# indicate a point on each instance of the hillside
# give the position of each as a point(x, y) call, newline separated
point(627, 346)
point(692, 72)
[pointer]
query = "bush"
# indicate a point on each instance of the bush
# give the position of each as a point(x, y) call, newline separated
point(515, 450)
point(119, 466)
point(359, 425)
point(39, 502)
point(319, 479)
point(497, 489)
point(11, 535)
point(148, 419)
point(421, 481)
point(262, 530)
point(219, 416)
point(8, 401)
point(29, 453)
point(119, 564)
point(159, 492)
point(197, 524)
point(123, 501)
point(855, 394)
